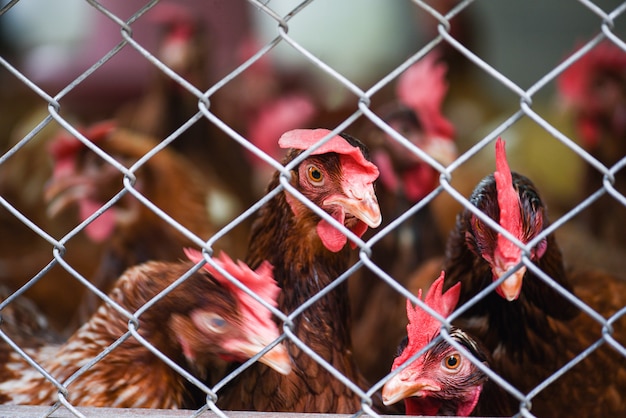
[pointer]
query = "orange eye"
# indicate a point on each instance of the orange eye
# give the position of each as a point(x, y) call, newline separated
point(315, 174)
point(452, 362)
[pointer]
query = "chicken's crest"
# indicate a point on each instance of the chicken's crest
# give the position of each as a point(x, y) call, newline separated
point(65, 145)
point(509, 203)
point(260, 281)
point(422, 325)
point(422, 87)
point(576, 80)
point(305, 138)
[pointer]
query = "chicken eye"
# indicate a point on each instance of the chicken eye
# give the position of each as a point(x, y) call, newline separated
point(214, 322)
point(452, 362)
point(315, 174)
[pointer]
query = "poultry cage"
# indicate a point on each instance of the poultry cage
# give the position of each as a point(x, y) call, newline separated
point(141, 133)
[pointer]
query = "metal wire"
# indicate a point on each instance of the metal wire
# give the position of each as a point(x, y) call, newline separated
point(284, 24)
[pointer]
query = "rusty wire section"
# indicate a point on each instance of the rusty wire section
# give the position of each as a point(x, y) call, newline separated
point(362, 109)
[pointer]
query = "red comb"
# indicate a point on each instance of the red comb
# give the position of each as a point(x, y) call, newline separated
point(281, 115)
point(171, 12)
point(422, 326)
point(260, 281)
point(509, 203)
point(65, 144)
point(305, 138)
point(575, 81)
point(423, 87)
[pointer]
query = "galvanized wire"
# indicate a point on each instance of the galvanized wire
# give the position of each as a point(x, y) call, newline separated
point(362, 110)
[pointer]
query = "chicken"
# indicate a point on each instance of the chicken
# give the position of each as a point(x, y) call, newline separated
point(405, 180)
point(442, 380)
point(129, 232)
point(593, 88)
point(184, 47)
point(308, 254)
point(529, 324)
point(202, 321)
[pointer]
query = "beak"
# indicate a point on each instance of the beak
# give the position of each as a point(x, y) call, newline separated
point(60, 193)
point(510, 288)
point(441, 149)
point(359, 202)
point(402, 386)
point(277, 358)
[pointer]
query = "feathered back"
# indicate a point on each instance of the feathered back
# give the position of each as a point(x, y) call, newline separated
point(509, 203)
point(422, 87)
point(423, 326)
point(260, 281)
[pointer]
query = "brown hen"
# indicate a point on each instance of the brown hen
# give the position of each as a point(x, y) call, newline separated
point(308, 255)
point(528, 324)
point(129, 232)
point(199, 324)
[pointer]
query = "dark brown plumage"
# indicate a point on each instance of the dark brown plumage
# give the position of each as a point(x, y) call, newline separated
point(298, 244)
point(199, 325)
point(531, 329)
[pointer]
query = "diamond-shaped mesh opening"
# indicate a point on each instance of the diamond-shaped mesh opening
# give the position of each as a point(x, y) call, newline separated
point(198, 95)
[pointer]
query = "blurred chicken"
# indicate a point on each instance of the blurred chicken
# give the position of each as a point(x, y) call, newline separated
point(528, 324)
point(308, 254)
point(594, 90)
point(405, 180)
point(129, 232)
point(166, 105)
point(202, 322)
point(442, 380)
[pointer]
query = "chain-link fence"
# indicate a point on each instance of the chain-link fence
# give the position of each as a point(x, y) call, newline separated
point(216, 83)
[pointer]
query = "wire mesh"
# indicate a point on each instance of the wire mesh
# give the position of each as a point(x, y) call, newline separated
point(52, 259)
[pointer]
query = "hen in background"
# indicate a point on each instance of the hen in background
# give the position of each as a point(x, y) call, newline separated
point(593, 90)
point(442, 380)
point(202, 322)
point(404, 181)
point(308, 255)
point(166, 105)
point(129, 232)
point(528, 324)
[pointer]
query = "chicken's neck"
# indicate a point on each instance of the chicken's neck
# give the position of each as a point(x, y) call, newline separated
point(303, 268)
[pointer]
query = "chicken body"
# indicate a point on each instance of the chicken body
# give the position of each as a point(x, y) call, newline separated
point(199, 325)
point(530, 328)
point(308, 256)
point(129, 232)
